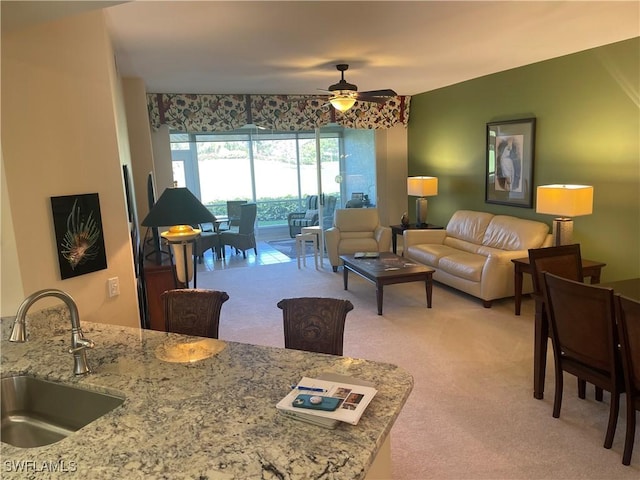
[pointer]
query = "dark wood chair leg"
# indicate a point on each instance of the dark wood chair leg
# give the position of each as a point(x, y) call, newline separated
point(630, 434)
point(582, 389)
point(557, 401)
point(614, 408)
point(598, 394)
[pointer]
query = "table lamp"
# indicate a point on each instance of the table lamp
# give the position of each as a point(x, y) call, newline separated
point(422, 187)
point(566, 201)
point(181, 209)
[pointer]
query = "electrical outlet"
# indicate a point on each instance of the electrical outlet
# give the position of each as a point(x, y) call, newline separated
point(114, 287)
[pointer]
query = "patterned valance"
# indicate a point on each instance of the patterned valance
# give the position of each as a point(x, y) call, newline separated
point(215, 113)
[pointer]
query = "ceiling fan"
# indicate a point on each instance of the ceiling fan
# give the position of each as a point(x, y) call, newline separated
point(345, 94)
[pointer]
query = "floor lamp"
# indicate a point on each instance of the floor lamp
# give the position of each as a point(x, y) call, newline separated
point(181, 209)
point(422, 187)
point(565, 201)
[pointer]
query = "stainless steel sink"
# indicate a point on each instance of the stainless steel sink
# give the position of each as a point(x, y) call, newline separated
point(37, 412)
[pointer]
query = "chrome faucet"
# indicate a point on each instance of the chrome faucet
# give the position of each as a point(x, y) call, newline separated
point(78, 343)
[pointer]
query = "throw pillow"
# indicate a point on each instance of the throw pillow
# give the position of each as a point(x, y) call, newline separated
point(310, 214)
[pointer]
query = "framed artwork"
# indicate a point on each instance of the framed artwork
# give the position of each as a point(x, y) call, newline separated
point(79, 236)
point(510, 157)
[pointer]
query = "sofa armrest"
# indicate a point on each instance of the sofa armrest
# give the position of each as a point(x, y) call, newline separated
point(417, 237)
point(383, 238)
point(331, 242)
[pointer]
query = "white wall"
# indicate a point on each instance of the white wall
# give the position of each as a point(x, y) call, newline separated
point(61, 135)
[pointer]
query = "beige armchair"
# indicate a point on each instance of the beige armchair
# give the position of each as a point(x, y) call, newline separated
point(356, 230)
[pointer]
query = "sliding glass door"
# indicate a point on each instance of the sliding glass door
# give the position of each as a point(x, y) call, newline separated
point(277, 170)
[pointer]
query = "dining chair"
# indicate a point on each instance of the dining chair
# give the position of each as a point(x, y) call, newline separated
point(209, 238)
point(245, 237)
point(193, 311)
point(565, 261)
point(628, 321)
point(314, 324)
point(584, 338)
point(233, 212)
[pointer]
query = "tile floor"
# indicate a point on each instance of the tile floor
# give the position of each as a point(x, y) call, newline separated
point(267, 255)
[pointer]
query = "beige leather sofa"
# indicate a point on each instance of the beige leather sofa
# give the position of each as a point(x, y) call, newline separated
point(473, 254)
point(356, 230)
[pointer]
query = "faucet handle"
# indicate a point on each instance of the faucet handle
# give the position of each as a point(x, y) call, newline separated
point(82, 343)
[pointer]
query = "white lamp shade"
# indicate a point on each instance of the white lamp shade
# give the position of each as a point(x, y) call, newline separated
point(422, 186)
point(565, 200)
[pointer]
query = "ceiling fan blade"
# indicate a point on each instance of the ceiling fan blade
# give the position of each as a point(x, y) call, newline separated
point(378, 93)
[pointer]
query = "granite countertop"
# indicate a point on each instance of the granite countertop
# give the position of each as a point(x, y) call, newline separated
point(213, 418)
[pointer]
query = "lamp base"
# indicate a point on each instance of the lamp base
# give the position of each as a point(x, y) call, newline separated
point(562, 231)
point(182, 241)
point(421, 211)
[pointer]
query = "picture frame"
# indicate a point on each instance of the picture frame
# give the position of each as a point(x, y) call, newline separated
point(79, 236)
point(509, 162)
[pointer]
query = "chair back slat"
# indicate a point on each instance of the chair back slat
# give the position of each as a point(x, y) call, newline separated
point(582, 322)
point(628, 321)
point(315, 324)
point(193, 311)
point(564, 261)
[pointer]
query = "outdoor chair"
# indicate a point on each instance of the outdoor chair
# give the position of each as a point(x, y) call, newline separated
point(245, 237)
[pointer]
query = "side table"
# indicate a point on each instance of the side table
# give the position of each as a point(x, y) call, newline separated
point(399, 229)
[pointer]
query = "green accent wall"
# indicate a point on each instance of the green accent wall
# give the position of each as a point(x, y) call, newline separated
point(587, 110)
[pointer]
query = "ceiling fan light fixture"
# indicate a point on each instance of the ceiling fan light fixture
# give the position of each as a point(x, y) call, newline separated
point(342, 102)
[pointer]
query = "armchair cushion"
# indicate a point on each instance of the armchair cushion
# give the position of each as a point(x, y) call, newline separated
point(356, 230)
point(311, 214)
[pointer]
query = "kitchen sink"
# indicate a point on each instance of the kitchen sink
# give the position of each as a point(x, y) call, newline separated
point(37, 412)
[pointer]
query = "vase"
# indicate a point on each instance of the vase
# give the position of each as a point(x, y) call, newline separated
point(404, 220)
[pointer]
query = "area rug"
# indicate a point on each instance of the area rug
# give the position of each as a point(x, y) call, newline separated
point(288, 247)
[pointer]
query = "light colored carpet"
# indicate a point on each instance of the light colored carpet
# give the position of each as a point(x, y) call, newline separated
point(471, 414)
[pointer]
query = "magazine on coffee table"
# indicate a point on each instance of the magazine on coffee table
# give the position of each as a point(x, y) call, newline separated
point(353, 399)
point(366, 255)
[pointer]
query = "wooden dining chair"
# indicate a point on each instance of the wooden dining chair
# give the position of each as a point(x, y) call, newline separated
point(315, 324)
point(584, 338)
point(628, 321)
point(565, 261)
point(193, 311)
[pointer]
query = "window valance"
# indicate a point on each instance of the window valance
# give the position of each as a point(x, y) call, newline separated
point(216, 113)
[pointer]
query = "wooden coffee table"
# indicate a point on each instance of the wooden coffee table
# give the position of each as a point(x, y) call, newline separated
point(388, 269)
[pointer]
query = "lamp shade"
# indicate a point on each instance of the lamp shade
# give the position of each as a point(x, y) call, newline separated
point(564, 200)
point(342, 102)
point(422, 186)
point(177, 206)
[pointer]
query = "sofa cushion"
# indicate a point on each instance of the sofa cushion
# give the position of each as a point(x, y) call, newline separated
point(469, 225)
point(353, 245)
point(511, 233)
point(464, 265)
point(430, 253)
point(463, 245)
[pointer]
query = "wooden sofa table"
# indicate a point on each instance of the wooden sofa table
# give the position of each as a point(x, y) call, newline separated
point(388, 269)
